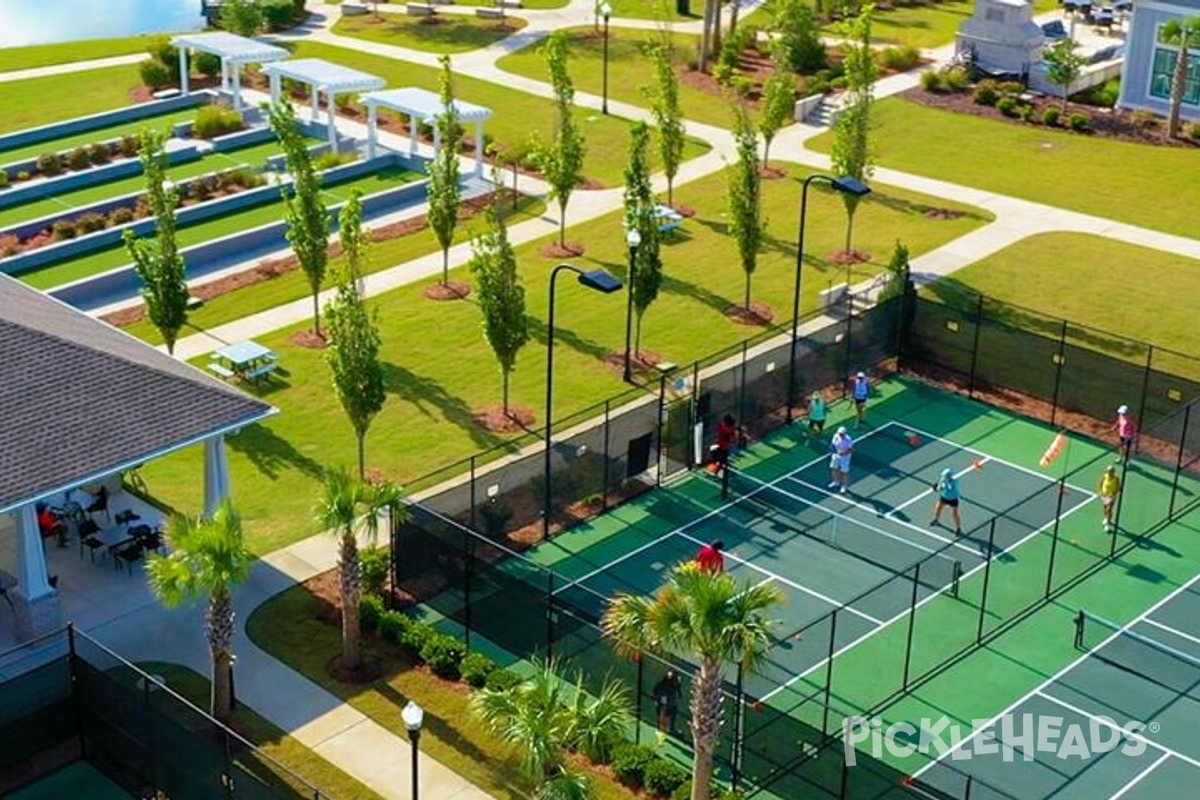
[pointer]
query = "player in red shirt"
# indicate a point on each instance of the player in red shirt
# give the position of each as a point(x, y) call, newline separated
point(710, 559)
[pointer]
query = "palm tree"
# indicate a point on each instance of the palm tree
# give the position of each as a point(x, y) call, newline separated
point(545, 716)
point(701, 616)
point(208, 557)
point(1184, 34)
point(351, 506)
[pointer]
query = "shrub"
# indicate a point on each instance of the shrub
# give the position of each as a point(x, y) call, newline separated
point(8, 245)
point(23, 175)
point(99, 153)
point(414, 636)
point(212, 121)
point(3, 178)
point(444, 654)
point(370, 609)
point(327, 160)
point(728, 794)
point(49, 163)
point(723, 73)
point(743, 86)
point(372, 561)
point(1010, 87)
point(629, 762)
point(900, 59)
point(663, 777)
point(1025, 112)
point(956, 79)
point(155, 74)
point(684, 791)
point(475, 669)
point(207, 64)
point(502, 679)
point(1193, 130)
point(278, 14)
point(79, 159)
point(129, 145)
point(392, 626)
point(985, 93)
point(160, 50)
point(63, 229)
point(90, 223)
point(1146, 120)
point(1050, 116)
point(1007, 106)
point(496, 513)
point(1079, 122)
point(931, 81)
point(121, 215)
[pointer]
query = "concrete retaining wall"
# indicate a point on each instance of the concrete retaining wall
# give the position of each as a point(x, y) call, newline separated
point(71, 127)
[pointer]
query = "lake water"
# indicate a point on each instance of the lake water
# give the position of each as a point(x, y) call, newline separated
point(25, 22)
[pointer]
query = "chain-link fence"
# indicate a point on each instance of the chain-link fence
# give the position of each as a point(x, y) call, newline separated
point(69, 698)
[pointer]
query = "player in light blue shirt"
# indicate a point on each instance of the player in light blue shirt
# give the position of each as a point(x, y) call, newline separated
point(860, 390)
point(947, 495)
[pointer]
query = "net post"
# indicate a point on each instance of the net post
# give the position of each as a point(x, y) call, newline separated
point(956, 579)
point(1058, 370)
point(967, 790)
point(1183, 433)
point(975, 346)
point(637, 706)
point(605, 475)
point(1062, 490)
point(829, 672)
point(1079, 623)
point(912, 623)
point(987, 574)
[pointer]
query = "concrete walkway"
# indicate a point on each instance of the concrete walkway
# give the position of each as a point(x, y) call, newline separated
point(375, 754)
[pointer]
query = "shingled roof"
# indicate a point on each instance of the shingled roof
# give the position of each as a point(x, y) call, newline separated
point(80, 400)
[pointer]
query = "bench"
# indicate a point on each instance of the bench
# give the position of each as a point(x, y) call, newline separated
point(420, 9)
point(261, 371)
point(489, 13)
point(353, 9)
point(668, 219)
point(834, 295)
point(508, 4)
point(220, 369)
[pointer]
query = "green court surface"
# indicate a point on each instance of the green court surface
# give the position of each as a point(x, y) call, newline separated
point(162, 122)
point(252, 156)
point(267, 212)
point(79, 780)
point(1121, 721)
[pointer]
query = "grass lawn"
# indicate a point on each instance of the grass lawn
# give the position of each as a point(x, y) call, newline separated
point(287, 626)
point(517, 115)
point(41, 55)
point(1074, 275)
point(40, 101)
point(443, 33)
point(1072, 171)
point(293, 285)
point(271, 740)
point(925, 25)
point(214, 228)
point(664, 10)
point(440, 373)
point(630, 71)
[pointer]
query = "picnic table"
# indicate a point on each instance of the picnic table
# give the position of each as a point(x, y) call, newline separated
point(246, 360)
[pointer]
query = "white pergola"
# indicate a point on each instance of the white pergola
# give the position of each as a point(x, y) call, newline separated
point(421, 105)
point(321, 76)
point(234, 51)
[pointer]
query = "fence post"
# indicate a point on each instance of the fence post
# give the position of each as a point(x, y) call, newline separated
point(549, 614)
point(468, 574)
point(637, 701)
point(849, 348)
point(987, 575)
point(474, 502)
point(975, 346)
point(739, 720)
point(1141, 417)
point(1187, 413)
point(1062, 490)
point(741, 403)
point(829, 672)
point(606, 476)
point(912, 622)
point(73, 668)
point(661, 427)
point(391, 598)
point(1112, 542)
point(1058, 369)
point(693, 415)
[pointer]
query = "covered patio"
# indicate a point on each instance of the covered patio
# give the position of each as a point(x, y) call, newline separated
point(234, 52)
point(423, 106)
point(321, 76)
point(85, 405)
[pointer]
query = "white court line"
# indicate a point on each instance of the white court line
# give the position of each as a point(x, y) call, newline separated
point(1090, 494)
point(1139, 777)
point(901, 615)
point(1178, 590)
point(1108, 723)
point(891, 514)
point(901, 522)
point(1174, 631)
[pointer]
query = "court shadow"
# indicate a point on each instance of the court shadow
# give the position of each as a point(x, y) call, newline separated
point(1154, 545)
point(1144, 573)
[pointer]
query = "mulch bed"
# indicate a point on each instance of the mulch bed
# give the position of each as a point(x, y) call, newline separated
point(641, 364)
point(495, 420)
point(757, 314)
point(309, 339)
point(565, 250)
point(450, 290)
point(849, 257)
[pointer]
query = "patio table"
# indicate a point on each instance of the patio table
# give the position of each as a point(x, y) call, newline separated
point(246, 360)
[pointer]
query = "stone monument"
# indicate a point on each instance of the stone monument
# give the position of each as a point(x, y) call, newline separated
point(1001, 38)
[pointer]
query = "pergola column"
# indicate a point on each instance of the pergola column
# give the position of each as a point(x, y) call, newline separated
point(183, 70)
point(372, 133)
point(276, 87)
point(36, 603)
point(412, 134)
point(478, 149)
point(224, 74)
point(216, 475)
point(333, 143)
point(237, 87)
point(437, 138)
point(316, 102)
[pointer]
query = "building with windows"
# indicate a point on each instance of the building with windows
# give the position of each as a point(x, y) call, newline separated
point(1150, 62)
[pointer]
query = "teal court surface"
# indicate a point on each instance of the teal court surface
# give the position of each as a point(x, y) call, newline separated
point(79, 780)
point(1122, 721)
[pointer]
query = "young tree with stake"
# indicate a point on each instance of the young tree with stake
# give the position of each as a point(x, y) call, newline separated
point(745, 198)
point(562, 160)
point(444, 192)
point(501, 297)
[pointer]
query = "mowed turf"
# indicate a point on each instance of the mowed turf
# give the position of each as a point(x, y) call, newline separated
point(53, 98)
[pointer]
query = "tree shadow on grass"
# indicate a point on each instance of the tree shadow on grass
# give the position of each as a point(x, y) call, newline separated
point(709, 298)
point(270, 453)
point(568, 337)
point(432, 399)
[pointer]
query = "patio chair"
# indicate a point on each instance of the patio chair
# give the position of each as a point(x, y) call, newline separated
point(100, 503)
point(1054, 30)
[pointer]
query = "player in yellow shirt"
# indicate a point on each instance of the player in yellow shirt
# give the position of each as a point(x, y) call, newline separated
point(1110, 487)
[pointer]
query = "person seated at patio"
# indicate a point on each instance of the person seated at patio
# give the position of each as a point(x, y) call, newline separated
point(100, 501)
point(49, 524)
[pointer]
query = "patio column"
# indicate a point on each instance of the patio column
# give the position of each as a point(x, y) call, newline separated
point(437, 139)
point(412, 134)
point(333, 143)
point(372, 124)
point(183, 70)
point(237, 87)
point(36, 603)
point(478, 149)
point(224, 74)
point(276, 86)
point(316, 102)
point(216, 475)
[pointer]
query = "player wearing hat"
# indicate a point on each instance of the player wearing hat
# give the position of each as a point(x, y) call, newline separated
point(1110, 487)
point(1126, 429)
point(947, 495)
point(860, 390)
point(841, 447)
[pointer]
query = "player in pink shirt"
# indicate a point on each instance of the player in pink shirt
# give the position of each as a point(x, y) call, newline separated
point(1126, 429)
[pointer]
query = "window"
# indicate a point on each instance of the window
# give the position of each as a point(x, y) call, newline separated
point(1162, 73)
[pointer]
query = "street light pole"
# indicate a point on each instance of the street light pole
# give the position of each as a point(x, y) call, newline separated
point(845, 185)
point(413, 715)
point(597, 280)
point(633, 239)
point(606, 11)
